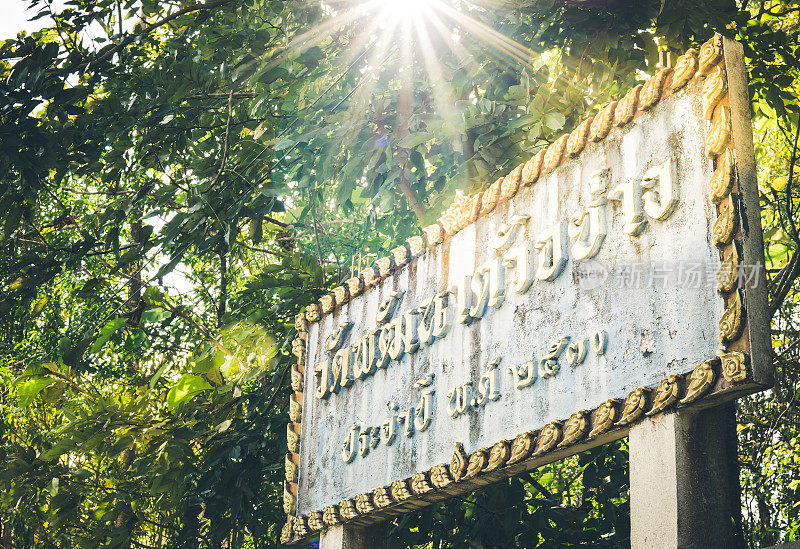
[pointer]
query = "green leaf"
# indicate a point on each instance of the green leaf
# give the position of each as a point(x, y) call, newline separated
point(74, 355)
point(158, 374)
point(28, 389)
point(106, 333)
point(554, 120)
point(186, 388)
point(39, 306)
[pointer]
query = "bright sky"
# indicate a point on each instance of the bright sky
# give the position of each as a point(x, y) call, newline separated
point(16, 17)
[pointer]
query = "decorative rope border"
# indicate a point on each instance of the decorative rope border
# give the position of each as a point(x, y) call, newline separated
point(610, 420)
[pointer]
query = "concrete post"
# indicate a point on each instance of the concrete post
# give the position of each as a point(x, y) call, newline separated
point(684, 480)
point(354, 537)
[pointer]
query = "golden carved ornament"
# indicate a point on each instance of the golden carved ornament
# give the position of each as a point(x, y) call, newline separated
point(462, 211)
point(341, 294)
point(666, 394)
point(312, 313)
point(722, 180)
point(370, 276)
point(522, 447)
point(364, 504)
point(626, 107)
point(498, 456)
point(575, 428)
point(601, 124)
point(400, 490)
point(331, 516)
point(434, 234)
point(732, 322)
point(420, 483)
point(355, 286)
point(382, 496)
point(728, 274)
point(440, 476)
point(295, 410)
point(701, 380)
point(347, 508)
point(299, 348)
point(651, 91)
point(477, 462)
point(554, 154)
point(511, 182)
point(292, 439)
point(327, 303)
point(315, 523)
point(634, 407)
point(459, 462)
point(717, 138)
point(385, 266)
point(685, 69)
point(300, 527)
point(548, 438)
point(289, 501)
point(733, 366)
point(578, 138)
point(727, 223)
point(416, 245)
point(300, 322)
point(714, 89)
point(532, 168)
point(491, 196)
point(605, 417)
point(291, 469)
point(401, 256)
point(288, 531)
point(710, 55)
point(297, 379)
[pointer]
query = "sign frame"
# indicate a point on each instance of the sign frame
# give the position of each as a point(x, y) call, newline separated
point(741, 366)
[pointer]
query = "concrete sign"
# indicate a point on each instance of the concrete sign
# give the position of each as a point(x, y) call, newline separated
point(616, 274)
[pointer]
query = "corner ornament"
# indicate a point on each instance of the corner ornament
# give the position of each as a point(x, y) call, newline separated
point(634, 407)
point(710, 54)
point(522, 447)
point(726, 224)
point(720, 133)
point(722, 179)
point(666, 394)
point(651, 92)
point(732, 322)
point(626, 108)
point(575, 428)
point(685, 69)
point(734, 366)
point(459, 462)
point(601, 124)
point(477, 462)
point(498, 456)
point(331, 516)
point(701, 380)
point(548, 438)
point(714, 89)
point(440, 476)
point(420, 483)
point(604, 417)
point(348, 510)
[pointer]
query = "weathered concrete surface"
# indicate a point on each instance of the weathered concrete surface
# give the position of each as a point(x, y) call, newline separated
point(354, 537)
point(652, 330)
point(684, 480)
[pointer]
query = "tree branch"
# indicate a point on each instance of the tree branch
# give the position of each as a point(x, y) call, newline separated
point(148, 29)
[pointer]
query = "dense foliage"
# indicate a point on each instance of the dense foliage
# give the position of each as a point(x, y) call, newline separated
point(178, 180)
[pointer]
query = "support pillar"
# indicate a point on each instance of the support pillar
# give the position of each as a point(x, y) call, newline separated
point(354, 537)
point(684, 480)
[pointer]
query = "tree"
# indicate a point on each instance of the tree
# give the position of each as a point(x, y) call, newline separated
point(178, 180)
